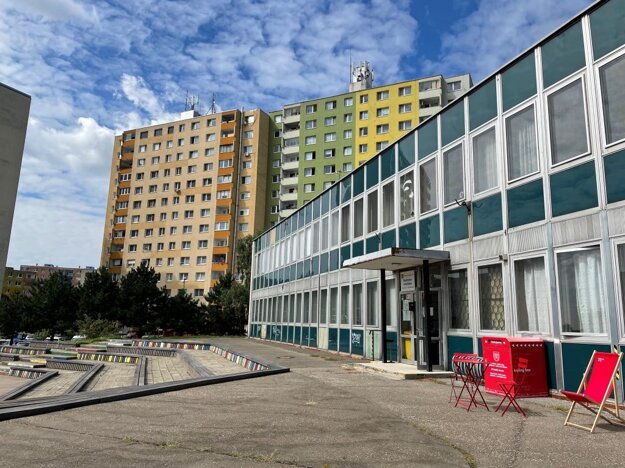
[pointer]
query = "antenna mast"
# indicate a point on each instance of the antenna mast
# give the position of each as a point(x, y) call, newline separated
point(213, 108)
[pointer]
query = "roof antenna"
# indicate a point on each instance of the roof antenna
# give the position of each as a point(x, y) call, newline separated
point(213, 108)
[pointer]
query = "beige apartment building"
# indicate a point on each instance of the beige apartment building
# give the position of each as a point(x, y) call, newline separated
point(182, 193)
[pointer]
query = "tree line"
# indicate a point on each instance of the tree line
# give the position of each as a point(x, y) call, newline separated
point(102, 306)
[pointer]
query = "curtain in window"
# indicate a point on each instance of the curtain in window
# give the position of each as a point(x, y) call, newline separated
point(612, 76)
point(485, 171)
point(388, 204)
point(391, 303)
point(427, 188)
point(521, 143)
point(532, 295)
point(372, 303)
point(581, 291)
point(454, 176)
point(490, 285)
point(406, 194)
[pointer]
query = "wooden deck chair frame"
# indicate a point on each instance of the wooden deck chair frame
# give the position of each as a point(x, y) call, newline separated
point(588, 404)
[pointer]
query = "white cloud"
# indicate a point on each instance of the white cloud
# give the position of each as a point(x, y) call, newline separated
point(496, 32)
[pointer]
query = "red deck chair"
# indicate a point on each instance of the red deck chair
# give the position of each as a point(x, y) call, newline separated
point(598, 383)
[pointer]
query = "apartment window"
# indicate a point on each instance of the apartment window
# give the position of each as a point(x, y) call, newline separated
point(275, 179)
point(311, 108)
point(159, 262)
point(348, 101)
point(364, 98)
point(244, 227)
point(246, 180)
point(382, 112)
point(347, 134)
point(207, 181)
point(612, 77)
point(186, 245)
point(345, 223)
point(156, 146)
point(388, 204)
point(184, 261)
point(188, 214)
point(347, 118)
point(248, 134)
point(248, 150)
point(581, 291)
point(567, 122)
point(328, 137)
point(140, 176)
point(427, 174)
point(532, 295)
point(178, 171)
point(151, 203)
point(246, 195)
point(170, 262)
point(275, 194)
point(192, 154)
point(132, 248)
point(363, 131)
point(485, 171)
point(426, 85)
point(147, 247)
point(187, 229)
point(459, 299)
point(454, 86)
point(224, 163)
point(201, 260)
point(405, 108)
point(382, 95)
point(170, 144)
point(521, 146)
point(491, 300)
point(244, 212)
point(169, 277)
point(179, 156)
point(347, 151)
point(327, 184)
point(373, 304)
point(200, 276)
point(381, 129)
point(358, 217)
point(161, 231)
point(156, 159)
point(407, 199)
point(364, 115)
point(160, 246)
point(329, 169)
point(380, 145)
point(363, 148)
point(170, 130)
point(308, 188)
point(205, 212)
point(136, 205)
point(191, 169)
point(138, 190)
point(328, 121)
point(330, 105)
point(181, 127)
point(405, 125)
point(153, 174)
point(168, 158)
point(309, 171)
point(143, 135)
point(158, 132)
point(221, 194)
point(405, 91)
point(226, 148)
point(203, 228)
point(310, 124)
point(180, 141)
point(329, 153)
point(310, 140)
point(453, 172)
point(208, 167)
point(247, 165)
point(135, 219)
point(309, 155)
point(209, 152)
point(206, 197)
point(211, 122)
point(222, 226)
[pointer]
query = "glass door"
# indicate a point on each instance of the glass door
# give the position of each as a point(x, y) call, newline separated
point(408, 327)
point(434, 326)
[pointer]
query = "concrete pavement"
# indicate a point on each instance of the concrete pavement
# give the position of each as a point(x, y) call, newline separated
point(325, 412)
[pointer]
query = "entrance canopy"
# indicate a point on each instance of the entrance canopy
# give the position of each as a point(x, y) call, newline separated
point(395, 259)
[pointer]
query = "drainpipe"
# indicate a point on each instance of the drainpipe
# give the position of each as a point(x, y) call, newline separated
point(426, 321)
point(238, 195)
point(383, 310)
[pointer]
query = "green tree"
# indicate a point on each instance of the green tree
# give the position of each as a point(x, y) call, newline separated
point(53, 305)
point(99, 296)
point(182, 315)
point(244, 259)
point(13, 311)
point(141, 300)
point(226, 307)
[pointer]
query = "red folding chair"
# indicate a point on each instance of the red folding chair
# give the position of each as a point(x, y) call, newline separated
point(598, 383)
point(511, 388)
point(458, 369)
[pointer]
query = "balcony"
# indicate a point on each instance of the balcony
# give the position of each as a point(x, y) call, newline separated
point(290, 165)
point(288, 119)
point(291, 134)
point(290, 150)
point(288, 197)
point(289, 181)
point(286, 212)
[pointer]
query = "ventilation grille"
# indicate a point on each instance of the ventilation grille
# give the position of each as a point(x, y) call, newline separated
point(616, 221)
point(488, 248)
point(576, 230)
point(459, 253)
point(528, 239)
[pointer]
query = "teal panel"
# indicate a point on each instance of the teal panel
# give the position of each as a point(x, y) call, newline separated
point(551, 365)
point(519, 82)
point(358, 248)
point(408, 236)
point(575, 359)
point(372, 244)
point(309, 211)
point(284, 334)
point(428, 138)
point(452, 123)
point(479, 347)
point(301, 218)
point(458, 344)
point(315, 266)
point(373, 176)
point(429, 232)
point(334, 260)
point(388, 162)
point(305, 335)
point(325, 203)
point(357, 340)
point(606, 24)
point(526, 204)
point(345, 254)
point(344, 340)
point(455, 224)
point(615, 176)
point(312, 337)
point(487, 215)
point(323, 263)
point(289, 334)
point(388, 239)
point(563, 55)
point(346, 189)
point(574, 189)
point(333, 339)
point(298, 335)
point(359, 181)
point(391, 345)
point(316, 208)
point(335, 198)
point(406, 151)
point(277, 332)
point(483, 105)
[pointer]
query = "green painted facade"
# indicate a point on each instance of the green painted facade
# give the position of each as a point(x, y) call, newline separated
point(273, 168)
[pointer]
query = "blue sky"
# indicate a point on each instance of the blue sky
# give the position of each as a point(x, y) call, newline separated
point(96, 68)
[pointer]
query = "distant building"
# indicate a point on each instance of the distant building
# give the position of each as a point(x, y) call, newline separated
point(14, 109)
point(17, 281)
point(43, 272)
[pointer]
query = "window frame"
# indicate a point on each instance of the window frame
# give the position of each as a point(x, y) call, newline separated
point(597, 65)
point(429, 159)
point(532, 102)
point(506, 305)
point(444, 151)
point(472, 136)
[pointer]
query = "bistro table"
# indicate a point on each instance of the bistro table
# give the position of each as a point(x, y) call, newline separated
point(470, 370)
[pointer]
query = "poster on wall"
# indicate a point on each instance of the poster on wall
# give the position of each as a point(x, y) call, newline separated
point(407, 281)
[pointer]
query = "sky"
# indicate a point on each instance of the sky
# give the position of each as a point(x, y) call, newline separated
point(95, 68)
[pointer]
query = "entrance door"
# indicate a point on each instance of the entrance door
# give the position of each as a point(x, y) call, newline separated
point(434, 325)
point(408, 327)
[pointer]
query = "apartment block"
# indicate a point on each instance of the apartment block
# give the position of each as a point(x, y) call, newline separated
point(316, 142)
point(182, 193)
point(14, 110)
point(17, 282)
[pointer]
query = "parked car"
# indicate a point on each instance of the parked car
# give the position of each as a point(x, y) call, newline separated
point(78, 337)
point(29, 337)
